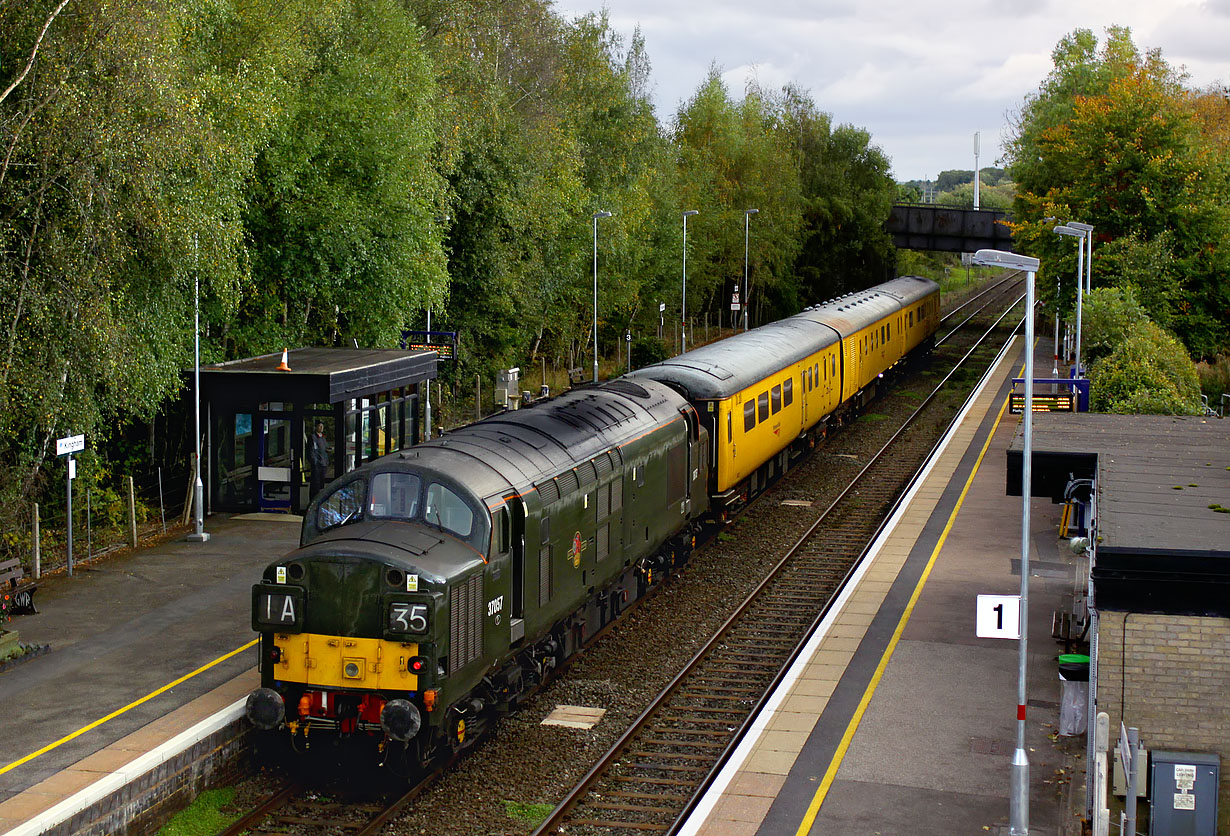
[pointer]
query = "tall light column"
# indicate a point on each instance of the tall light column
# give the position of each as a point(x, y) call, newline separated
point(1088, 244)
point(976, 138)
point(1018, 800)
point(747, 214)
point(1072, 230)
point(597, 215)
point(198, 535)
point(683, 306)
point(1055, 364)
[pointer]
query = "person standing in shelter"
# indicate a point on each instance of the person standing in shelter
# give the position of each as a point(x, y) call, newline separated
point(318, 458)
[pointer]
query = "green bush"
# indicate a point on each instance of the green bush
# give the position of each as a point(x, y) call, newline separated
point(1108, 315)
point(1149, 373)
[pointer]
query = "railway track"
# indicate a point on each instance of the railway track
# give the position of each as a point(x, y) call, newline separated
point(297, 809)
point(653, 775)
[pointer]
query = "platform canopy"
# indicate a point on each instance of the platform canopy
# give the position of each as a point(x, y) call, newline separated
point(1160, 481)
point(262, 412)
point(317, 375)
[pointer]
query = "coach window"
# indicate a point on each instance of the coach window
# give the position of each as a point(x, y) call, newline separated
point(749, 416)
point(788, 392)
point(730, 427)
point(777, 399)
point(762, 406)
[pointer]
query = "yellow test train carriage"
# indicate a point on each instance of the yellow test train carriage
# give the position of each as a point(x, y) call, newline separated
point(769, 393)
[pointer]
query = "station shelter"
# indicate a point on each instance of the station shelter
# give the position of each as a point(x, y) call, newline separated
point(259, 415)
point(1153, 595)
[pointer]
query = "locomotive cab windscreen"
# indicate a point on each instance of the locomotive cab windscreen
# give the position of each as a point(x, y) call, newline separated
point(402, 496)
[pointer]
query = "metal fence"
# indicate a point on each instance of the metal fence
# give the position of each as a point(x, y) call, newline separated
point(39, 539)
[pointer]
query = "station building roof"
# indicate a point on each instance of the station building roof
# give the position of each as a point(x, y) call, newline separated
point(1162, 544)
point(317, 375)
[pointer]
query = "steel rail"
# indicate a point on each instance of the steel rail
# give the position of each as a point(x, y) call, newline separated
point(1011, 275)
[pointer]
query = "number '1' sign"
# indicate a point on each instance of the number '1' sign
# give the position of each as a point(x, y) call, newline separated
point(998, 617)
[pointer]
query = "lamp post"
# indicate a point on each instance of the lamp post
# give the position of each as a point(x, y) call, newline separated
point(1055, 362)
point(683, 307)
point(1018, 800)
point(1071, 230)
point(747, 214)
point(976, 170)
point(1088, 230)
point(198, 535)
point(597, 215)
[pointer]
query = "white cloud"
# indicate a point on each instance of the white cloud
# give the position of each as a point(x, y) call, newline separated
point(921, 75)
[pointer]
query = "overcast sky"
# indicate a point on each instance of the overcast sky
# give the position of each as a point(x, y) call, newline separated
point(922, 76)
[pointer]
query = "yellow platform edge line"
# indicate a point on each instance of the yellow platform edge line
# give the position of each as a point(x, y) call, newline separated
point(813, 809)
point(129, 707)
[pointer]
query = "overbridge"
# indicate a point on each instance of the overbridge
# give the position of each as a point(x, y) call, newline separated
point(952, 229)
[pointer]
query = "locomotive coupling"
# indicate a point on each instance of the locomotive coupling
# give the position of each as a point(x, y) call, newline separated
point(400, 720)
point(265, 708)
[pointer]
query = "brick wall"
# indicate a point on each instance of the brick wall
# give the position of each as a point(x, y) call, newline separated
point(143, 806)
point(1169, 676)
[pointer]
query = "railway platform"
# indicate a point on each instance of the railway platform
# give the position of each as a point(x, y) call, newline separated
point(897, 718)
point(141, 648)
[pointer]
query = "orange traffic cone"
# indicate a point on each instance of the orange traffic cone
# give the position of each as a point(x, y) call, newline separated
point(283, 367)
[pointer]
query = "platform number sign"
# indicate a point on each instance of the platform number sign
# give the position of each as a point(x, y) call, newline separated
point(998, 617)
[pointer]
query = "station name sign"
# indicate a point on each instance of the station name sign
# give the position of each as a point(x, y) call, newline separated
point(71, 444)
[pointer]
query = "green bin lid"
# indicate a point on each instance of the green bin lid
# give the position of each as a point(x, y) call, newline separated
point(1073, 659)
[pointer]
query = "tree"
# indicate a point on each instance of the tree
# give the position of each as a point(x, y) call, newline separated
point(1108, 315)
point(122, 173)
point(1113, 139)
point(847, 193)
point(342, 217)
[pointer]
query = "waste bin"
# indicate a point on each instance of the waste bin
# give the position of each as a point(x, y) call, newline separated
point(1074, 694)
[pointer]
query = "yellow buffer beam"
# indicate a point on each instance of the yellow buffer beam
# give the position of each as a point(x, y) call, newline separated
point(341, 662)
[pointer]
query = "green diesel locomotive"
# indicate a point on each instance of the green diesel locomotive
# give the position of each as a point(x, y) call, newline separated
point(435, 588)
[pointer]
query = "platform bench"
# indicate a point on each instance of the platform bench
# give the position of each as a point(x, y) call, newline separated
point(16, 590)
